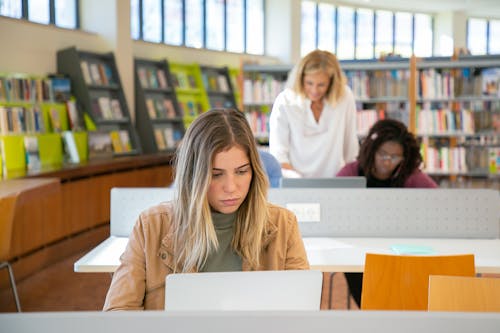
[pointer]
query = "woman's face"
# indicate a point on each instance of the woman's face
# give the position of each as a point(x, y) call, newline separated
point(231, 178)
point(387, 158)
point(316, 85)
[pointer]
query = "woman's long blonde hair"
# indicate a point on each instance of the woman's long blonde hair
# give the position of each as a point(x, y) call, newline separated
point(194, 233)
point(324, 62)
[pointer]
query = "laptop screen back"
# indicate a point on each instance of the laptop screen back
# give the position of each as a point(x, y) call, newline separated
point(251, 291)
point(335, 182)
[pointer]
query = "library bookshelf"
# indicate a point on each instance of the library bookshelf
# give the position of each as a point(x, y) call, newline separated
point(451, 104)
point(159, 117)
point(33, 119)
point(97, 86)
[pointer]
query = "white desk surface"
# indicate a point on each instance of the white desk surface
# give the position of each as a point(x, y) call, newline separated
point(250, 322)
point(329, 254)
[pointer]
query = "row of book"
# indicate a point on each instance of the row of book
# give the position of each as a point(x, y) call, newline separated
point(190, 108)
point(444, 159)
point(451, 83)
point(262, 89)
point(366, 118)
point(167, 136)
point(107, 108)
point(97, 73)
point(259, 122)
point(20, 119)
point(33, 90)
point(184, 80)
point(378, 84)
point(160, 108)
point(154, 78)
point(444, 121)
point(214, 81)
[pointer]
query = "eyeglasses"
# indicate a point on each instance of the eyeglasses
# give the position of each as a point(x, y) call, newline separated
point(395, 159)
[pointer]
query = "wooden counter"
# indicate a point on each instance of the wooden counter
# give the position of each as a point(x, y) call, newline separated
point(52, 206)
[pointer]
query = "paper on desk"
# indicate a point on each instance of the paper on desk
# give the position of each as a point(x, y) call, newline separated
point(412, 249)
point(323, 243)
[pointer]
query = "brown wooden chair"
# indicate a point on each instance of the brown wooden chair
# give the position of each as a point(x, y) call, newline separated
point(458, 293)
point(400, 282)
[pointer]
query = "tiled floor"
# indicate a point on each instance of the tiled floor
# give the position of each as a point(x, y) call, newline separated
point(58, 288)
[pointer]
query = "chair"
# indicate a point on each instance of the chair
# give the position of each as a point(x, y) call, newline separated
point(272, 167)
point(7, 207)
point(400, 282)
point(457, 293)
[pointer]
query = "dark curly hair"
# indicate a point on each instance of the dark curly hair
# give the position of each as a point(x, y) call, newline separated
point(390, 130)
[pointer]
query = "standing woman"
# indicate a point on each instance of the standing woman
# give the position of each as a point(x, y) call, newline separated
point(389, 157)
point(313, 123)
point(219, 220)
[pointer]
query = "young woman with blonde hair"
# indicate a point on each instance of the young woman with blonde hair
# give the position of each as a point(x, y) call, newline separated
point(313, 122)
point(219, 220)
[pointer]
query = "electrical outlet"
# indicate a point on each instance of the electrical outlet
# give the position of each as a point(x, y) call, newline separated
point(306, 212)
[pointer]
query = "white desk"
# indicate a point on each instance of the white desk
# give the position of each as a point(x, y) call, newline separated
point(250, 322)
point(329, 254)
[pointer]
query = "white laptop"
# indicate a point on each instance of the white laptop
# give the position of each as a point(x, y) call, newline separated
point(333, 182)
point(251, 291)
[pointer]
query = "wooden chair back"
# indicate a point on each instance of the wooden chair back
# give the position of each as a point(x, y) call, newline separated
point(401, 282)
point(458, 293)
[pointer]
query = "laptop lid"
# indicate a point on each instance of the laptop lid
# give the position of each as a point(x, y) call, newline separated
point(335, 182)
point(251, 291)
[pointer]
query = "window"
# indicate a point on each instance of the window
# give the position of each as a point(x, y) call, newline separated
point(255, 26)
point(151, 16)
point(422, 38)
point(64, 13)
point(326, 27)
point(235, 29)
point(222, 25)
point(308, 27)
point(362, 33)
point(383, 33)
point(403, 35)
point(476, 36)
point(173, 22)
point(494, 37)
point(215, 24)
point(483, 36)
point(345, 28)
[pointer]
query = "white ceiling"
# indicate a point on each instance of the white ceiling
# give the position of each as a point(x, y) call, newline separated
point(479, 8)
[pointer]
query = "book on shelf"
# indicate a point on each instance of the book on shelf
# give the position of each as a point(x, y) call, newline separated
point(70, 149)
point(162, 78)
point(153, 80)
point(116, 109)
point(491, 81)
point(74, 119)
point(125, 140)
point(100, 145)
point(150, 105)
point(94, 74)
point(61, 88)
point(159, 139)
point(116, 142)
point(32, 151)
point(55, 119)
point(169, 106)
point(104, 104)
point(86, 72)
point(141, 72)
point(222, 83)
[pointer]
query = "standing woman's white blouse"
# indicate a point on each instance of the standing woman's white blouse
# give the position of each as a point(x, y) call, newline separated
point(314, 149)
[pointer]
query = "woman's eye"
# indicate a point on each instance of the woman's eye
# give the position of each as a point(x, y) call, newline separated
point(244, 171)
point(216, 175)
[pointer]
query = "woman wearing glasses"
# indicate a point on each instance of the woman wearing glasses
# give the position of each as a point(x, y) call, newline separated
point(389, 157)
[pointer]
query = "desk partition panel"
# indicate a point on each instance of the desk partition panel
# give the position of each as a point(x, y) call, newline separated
point(413, 213)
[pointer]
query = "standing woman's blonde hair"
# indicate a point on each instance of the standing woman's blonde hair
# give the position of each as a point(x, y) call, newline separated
point(213, 132)
point(324, 62)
